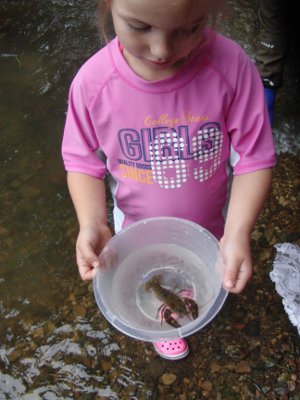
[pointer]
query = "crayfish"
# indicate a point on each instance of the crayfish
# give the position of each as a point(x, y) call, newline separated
point(172, 302)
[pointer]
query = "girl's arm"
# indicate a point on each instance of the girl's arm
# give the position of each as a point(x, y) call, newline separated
point(89, 199)
point(248, 195)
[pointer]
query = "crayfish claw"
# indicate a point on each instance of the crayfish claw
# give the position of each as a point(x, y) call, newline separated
point(167, 316)
point(191, 306)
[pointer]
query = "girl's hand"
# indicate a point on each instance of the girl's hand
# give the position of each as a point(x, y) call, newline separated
point(237, 263)
point(248, 194)
point(89, 245)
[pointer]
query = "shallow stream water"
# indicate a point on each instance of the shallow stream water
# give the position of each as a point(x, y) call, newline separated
point(54, 344)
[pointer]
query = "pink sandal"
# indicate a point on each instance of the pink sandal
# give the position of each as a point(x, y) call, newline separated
point(175, 349)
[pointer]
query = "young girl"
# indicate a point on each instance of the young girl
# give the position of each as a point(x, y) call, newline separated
point(171, 110)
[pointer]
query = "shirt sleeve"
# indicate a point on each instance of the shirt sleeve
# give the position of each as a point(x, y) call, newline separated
point(252, 143)
point(80, 145)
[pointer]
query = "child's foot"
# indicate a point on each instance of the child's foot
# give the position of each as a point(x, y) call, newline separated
point(175, 349)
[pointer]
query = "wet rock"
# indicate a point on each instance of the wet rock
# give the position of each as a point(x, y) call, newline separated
point(168, 379)
point(38, 332)
point(154, 368)
point(215, 367)
point(79, 310)
point(243, 367)
point(14, 355)
point(283, 201)
point(281, 388)
point(294, 377)
point(50, 327)
point(106, 365)
point(265, 254)
point(72, 298)
point(206, 386)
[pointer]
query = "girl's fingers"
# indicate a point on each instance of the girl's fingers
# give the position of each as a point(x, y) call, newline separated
point(87, 262)
point(236, 276)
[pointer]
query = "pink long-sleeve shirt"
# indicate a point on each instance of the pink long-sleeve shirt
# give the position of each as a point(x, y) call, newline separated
point(170, 146)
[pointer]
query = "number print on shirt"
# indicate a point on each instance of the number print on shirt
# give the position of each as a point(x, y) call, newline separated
point(207, 149)
point(169, 170)
point(170, 156)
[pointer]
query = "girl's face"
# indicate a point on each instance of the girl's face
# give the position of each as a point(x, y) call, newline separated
point(156, 35)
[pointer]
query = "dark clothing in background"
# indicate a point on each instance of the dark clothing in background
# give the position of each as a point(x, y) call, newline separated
point(274, 18)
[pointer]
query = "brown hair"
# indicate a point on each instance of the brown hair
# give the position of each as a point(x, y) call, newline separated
point(212, 10)
point(104, 19)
